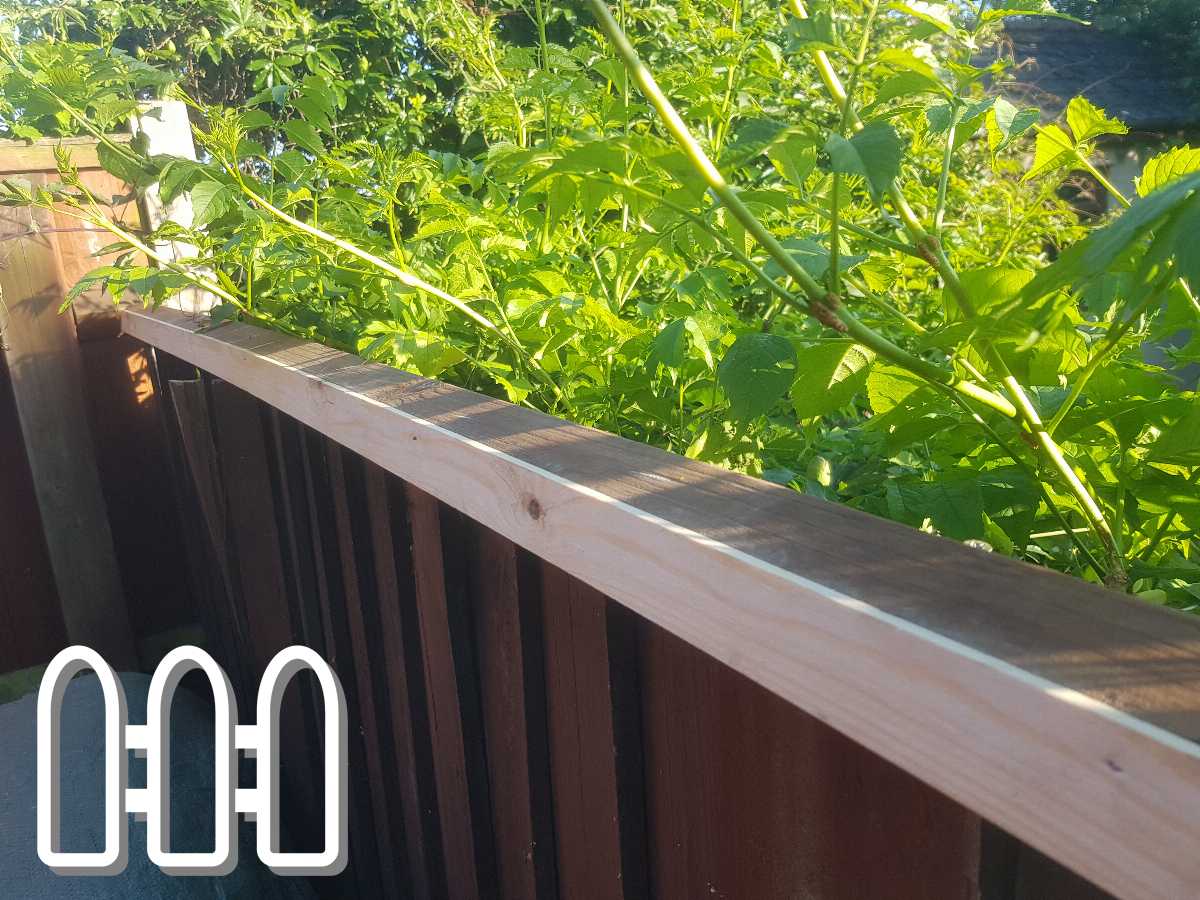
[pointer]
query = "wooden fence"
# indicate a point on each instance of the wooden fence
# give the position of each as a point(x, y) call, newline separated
point(84, 498)
point(580, 667)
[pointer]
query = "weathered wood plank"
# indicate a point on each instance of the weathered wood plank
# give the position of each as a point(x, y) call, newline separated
point(322, 460)
point(31, 625)
point(253, 535)
point(454, 726)
point(946, 661)
point(22, 157)
point(46, 374)
point(123, 405)
point(207, 531)
point(97, 316)
point(749, 797)
point(508, 638)
point(595, 762)
point(359, 585)
point(399, 632)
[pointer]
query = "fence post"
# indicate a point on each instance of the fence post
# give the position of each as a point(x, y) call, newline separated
point(167, 131)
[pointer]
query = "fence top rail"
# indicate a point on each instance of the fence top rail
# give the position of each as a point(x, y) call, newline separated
point(24, 157)
point(1063, 712)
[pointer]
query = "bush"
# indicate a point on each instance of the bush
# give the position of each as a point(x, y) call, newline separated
point(862, 306)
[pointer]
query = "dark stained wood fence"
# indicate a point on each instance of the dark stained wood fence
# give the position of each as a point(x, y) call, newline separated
point(88, 531)
point(516, 733)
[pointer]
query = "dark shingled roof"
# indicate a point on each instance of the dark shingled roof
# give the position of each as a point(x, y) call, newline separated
point(1057, 60)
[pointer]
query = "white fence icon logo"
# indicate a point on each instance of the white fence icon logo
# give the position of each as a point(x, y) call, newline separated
point(260, 740)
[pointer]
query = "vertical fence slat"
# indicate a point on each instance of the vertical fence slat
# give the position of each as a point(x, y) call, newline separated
point(508, 637)
point(253, 534)
point(225, 623)
point(358, 579)
point(31, 622)
point(600, 851)
point(326, 482)
point(750, 797)
point(402, 664)
point(258, 555)
point(465, 829)
point(46, 373)
point(297, 555)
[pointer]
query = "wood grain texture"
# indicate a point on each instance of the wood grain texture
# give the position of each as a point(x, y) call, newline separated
point(123, 405)
point(403, 669)
point(22, 157)
point(362, 617)
point(202, 496)
point(595, 759)
point(508, 638)
point(455, 729)
point(948, 662)
point(46, 374)
point(31, 625)
point(323, 471)
point(749, 797)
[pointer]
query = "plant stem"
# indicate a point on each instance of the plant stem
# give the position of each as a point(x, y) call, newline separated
point(938, 259)
point(1029, 470)
point(1111, 338)
point(406, 278)
point(821, 305)
point(1165, 525)
point(102, 221)
point(944, 179)
point(1104, 182)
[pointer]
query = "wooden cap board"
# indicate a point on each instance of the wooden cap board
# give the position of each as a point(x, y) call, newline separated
point(1063, 712)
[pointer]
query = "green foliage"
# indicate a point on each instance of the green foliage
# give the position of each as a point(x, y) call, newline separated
point(864, 306)
point(357, 65)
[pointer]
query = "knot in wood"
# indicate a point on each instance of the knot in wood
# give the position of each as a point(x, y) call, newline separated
point(534, 508)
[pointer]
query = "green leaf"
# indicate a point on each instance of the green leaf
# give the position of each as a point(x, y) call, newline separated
point(210, 200)
point(1181, 442)
point(1007, 124)
point(904, 61)
point(250, 119)
point(752, 137)
point(1054, 150)
point(874, 153)
point(936, 14)
point(560, 196)
point(1088, 121)
point(26, 132)
point(986, 288)
point(953, 502)
point(1166, 167)
point(812, 257)
point(700, 340)
point(175, 178)
point(1001, 9)
point(814, 33)
point(668, 348)
point(755, 372)
point(794, 159)
point(828, 377)
point(87, 282)
point(304, 135)
point(889, 386)
point(134, 172)
point(427, 354)
point(908, 84)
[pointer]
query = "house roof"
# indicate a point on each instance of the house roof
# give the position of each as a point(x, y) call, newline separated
point(1057, 60)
